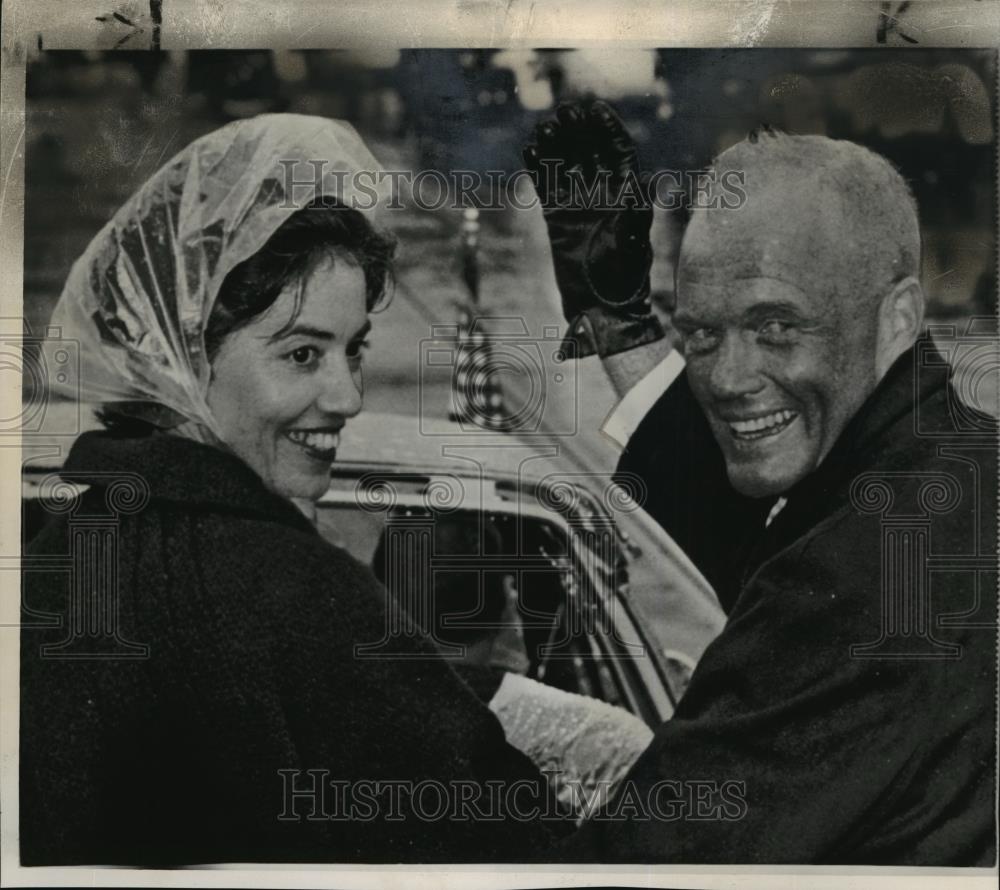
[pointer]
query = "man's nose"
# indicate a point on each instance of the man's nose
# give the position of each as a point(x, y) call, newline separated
point(736, 369)
point(342, 390)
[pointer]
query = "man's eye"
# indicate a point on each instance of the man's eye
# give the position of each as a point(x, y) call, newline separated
point(304, 356)
point(356, 349)
point(700, 340)
point(775, 331)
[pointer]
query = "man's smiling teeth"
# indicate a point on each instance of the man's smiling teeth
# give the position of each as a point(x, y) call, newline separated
point(757, 427)
point(315, 441)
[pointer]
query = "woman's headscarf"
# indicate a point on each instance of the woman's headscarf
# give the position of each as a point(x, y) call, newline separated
point(138, 300)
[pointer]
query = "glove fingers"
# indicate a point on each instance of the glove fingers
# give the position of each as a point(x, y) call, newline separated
point(617, 147)
point(531, 159)
point(545, 137)
point(607, 120)
point(575, 139)
point(569, 115)
point(540, 156)
point(552, 146)
point(575, 142)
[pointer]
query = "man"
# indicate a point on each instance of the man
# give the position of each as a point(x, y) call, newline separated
point(812, 458)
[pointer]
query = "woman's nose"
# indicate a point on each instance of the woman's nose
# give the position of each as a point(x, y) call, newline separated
point(341, 389)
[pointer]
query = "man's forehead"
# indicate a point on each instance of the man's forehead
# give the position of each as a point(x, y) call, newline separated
point(730, 293)
point(801, 238)
point(722, 269)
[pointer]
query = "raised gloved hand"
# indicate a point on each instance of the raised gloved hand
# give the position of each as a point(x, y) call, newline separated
point(598, 213)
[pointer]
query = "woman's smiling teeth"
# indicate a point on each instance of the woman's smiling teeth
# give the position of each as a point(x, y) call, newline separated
point(759, 427)
point(317, 443)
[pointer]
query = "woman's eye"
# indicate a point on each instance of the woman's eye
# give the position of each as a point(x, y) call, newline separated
point(356, 349)
point(304, 356)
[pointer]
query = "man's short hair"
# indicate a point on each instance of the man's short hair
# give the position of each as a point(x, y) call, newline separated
point(876, 205)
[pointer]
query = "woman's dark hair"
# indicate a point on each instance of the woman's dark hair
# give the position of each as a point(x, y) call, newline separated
point(252, 286)
point(314, 231)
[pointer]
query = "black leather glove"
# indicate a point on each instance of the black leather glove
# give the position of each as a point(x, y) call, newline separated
point(598, 212)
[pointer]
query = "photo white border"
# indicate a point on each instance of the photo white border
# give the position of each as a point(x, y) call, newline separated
point(313, 24)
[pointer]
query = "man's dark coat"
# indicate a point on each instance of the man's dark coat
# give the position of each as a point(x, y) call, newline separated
point(852, 692)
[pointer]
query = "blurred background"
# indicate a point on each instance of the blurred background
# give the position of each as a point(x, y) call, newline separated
point(98, 124)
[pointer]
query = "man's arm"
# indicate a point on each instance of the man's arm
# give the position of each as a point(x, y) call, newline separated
point(602, 255)
point(626, 369)
point(639, 377)
point(598, 211)
point(786, 749)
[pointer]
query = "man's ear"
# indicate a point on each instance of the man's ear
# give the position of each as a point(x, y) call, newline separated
point(900, 320)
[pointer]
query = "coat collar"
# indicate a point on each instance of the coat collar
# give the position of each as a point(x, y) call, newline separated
point(876, 428)
point(882, 432)
point(180, 470)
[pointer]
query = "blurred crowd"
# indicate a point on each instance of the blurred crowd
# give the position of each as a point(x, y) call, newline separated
point(98, 123)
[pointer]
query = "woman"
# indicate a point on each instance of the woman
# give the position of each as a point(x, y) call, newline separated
point(221, 316)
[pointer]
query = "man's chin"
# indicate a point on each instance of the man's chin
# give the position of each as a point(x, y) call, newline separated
point(756, 482)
